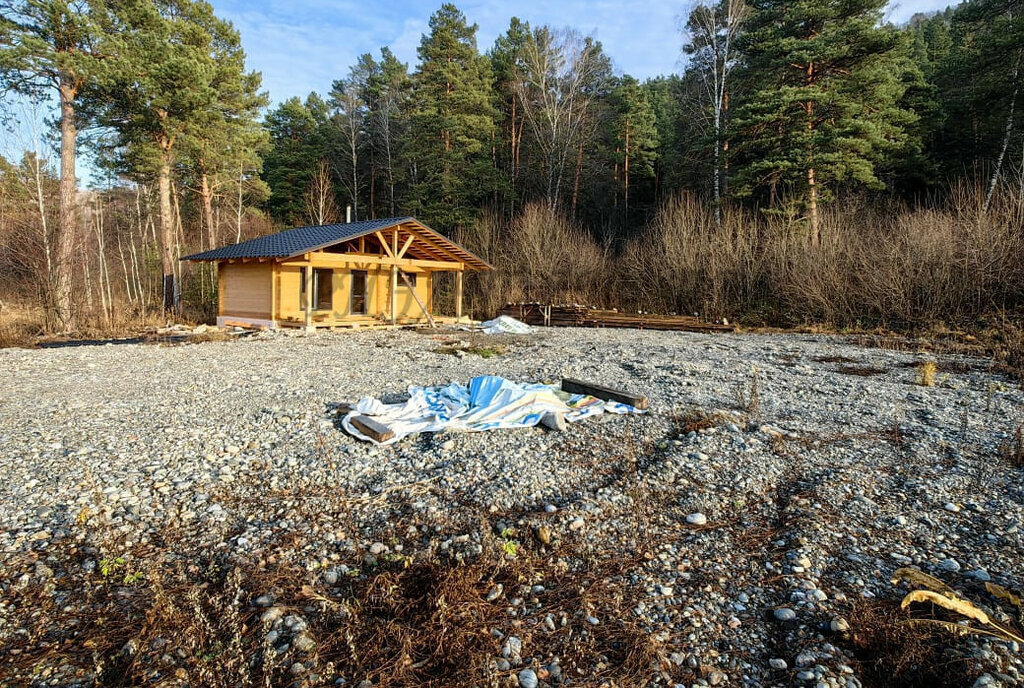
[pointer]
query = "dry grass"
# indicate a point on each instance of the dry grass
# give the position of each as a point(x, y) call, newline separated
point(894, 654)
point(1012, 451)
point(860, 370)
point(695, 419)
point(147, 614)
point(926, 373)
point(892, 267)
point(20, 326)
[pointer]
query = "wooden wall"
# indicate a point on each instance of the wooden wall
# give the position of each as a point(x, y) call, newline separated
point(245, 289)
point(247, 292)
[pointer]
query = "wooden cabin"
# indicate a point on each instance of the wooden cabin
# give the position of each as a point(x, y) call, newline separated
point(348, 274)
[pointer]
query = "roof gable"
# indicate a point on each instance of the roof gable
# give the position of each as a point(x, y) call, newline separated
point(299, 240)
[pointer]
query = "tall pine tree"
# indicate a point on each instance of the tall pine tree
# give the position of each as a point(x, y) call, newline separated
point(452, 123)
point(822, 100)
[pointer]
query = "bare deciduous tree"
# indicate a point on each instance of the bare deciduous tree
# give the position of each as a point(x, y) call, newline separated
point(711, 32)
point(559, 70)
point(320, 206)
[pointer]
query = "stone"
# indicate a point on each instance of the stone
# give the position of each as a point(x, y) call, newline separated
point(839, 625)
point(303, 642)
point(576, 523)
point(543, 534)
point(697, 519)
point(513, 648)
point(778, 664)
point(528, 678)
point(784, 614)
point(377, 548)
point(950, 506)
point(951, 565)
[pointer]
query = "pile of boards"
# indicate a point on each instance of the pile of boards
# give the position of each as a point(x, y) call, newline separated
point(574, 315)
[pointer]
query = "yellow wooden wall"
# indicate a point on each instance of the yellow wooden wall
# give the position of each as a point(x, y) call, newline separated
point(378, 294)
point(245, 289)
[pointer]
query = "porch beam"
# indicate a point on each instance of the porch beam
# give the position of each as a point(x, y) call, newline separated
point(458, 295)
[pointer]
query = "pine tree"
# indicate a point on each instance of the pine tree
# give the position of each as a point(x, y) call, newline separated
point(822, 99)
point(452, 122)
point(224, 147)
point(387, 92)
point(49, 46)
point(509, 69)
point(299, 140)
point(166, 83)
point(635, 135)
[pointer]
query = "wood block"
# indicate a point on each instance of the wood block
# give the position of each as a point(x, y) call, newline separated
point(607, 393)
point(371, 428)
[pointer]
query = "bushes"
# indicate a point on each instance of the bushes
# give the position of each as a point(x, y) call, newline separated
point(877, 265)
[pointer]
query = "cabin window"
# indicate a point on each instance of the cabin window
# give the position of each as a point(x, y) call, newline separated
point(411, 276)
point(323, 289)
point(358, 306)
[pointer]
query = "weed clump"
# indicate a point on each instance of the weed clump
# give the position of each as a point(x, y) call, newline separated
point(926, 373)
point(1012, 451)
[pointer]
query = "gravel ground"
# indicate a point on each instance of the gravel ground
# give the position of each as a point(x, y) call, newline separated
point(757, 536)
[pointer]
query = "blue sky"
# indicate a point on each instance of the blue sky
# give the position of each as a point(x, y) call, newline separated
point(303, 45)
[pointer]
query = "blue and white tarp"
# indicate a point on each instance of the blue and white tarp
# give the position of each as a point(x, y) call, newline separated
point(489, 402)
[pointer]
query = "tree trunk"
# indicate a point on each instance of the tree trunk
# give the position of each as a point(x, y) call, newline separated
point(207, 193)
point(576, 181)
point(167, 235)
point(67, 227)
point(812, 207)
point(1006, 137)
point(812, 182)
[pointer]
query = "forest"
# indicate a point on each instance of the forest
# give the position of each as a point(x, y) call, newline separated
point(812, 164)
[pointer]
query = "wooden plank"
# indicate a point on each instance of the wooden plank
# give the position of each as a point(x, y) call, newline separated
point(371, 428)
point(458, 295)
point(384, 243)
point(309, 296)
point(338, 260)
point(419, 301)
point(405, 246)
point(579, 387)
point(394, 294)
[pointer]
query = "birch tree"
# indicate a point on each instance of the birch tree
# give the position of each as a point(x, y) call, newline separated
point(711, 32)
point(556, 91)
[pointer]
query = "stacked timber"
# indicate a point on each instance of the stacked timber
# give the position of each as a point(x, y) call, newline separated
point(575, 315)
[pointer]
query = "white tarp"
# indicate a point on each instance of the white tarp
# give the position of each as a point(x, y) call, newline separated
point(503, 324)
point(489, 402)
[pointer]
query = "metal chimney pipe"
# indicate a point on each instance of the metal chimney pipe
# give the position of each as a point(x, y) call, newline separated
point(348, 214)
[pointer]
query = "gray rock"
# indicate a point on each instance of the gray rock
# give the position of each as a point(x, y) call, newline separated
point(839, 625)
point(697, 519)
point(951, 565)
point(784, 614)
point(528, 678)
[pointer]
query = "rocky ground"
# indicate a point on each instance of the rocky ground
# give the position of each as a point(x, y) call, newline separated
point(742, 533)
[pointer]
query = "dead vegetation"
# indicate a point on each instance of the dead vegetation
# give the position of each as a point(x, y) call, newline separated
point(401, 621)
point(860, 370)
point(1012, 450)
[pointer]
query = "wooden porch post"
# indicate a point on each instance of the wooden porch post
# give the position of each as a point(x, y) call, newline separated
point(458, 295)
point(394, 277)
point(309, 296)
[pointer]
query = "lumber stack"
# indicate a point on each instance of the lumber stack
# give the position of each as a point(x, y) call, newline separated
point(575, 315)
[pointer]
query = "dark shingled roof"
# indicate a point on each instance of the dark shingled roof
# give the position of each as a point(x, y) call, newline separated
point(293, 242)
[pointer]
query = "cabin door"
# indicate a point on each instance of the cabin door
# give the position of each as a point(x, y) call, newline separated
point(358, 303)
